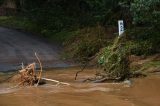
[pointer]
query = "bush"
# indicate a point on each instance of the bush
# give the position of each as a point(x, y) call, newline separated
point(146, 12)
point(140, 48)
point(86, 43)
point(115, 61)
point(18, 23)
point(143, 41)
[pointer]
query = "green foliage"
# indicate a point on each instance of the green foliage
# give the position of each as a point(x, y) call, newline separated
point(28, 25)
point(147, 67)
point(61, 36)
point(146, 12)
point(115, 60)
point(61, 14)
point(143, 41)
point(58, 14)
point(152, 64)
point(140, 48)
point(86, 43)
point(18, 23)
point(59, 20)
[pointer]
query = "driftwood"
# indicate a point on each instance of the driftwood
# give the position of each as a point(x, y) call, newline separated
point(29, 76)
point(58, 82)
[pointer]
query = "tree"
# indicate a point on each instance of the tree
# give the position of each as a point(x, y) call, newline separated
point(146, 12)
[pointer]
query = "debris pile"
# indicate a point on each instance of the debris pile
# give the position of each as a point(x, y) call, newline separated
point(29, 76)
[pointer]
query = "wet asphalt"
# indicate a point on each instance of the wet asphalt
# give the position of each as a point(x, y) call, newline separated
point(17, 47)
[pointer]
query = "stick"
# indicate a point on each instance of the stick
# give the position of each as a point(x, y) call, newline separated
point(80, 70)
point(55, 81)
point(85, 65)
point(40, 64)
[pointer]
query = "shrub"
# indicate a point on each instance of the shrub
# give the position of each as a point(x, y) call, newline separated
point(143, 41)
point(114, 60)
point(86, 43)
point(146, 12)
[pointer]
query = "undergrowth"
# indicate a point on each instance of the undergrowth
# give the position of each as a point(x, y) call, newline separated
point(22, 23)
point(85, 43)
point(114, 60)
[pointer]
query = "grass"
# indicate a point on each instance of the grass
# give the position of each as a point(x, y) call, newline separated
point(18, 23)
point(85, 43)
point(27, 25)
point(61, 36)
point(151, 64)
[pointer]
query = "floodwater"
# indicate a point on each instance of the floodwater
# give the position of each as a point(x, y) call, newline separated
point(136, 92)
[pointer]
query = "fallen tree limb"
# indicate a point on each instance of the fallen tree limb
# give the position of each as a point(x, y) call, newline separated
point(85, 65)
point(58, 82)
point(80, 71)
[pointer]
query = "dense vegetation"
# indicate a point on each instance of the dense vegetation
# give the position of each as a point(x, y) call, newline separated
point(86, 26)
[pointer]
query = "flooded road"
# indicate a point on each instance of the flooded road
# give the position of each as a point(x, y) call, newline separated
point(17, 47)
point(142, 91)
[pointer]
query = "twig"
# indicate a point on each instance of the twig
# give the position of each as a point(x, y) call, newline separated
point(80, 70)
point(85, 65)
point(40, 74)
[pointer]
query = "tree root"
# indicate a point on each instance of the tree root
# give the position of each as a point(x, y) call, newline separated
point(29, 76)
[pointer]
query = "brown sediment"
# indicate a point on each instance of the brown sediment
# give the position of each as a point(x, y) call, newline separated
point(142, 91)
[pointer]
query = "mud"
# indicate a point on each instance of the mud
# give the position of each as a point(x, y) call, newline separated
point(136, 92)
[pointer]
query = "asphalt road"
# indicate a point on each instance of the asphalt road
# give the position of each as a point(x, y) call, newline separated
point(17, 47)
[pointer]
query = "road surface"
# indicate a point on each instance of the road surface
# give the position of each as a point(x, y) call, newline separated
point(17, 47)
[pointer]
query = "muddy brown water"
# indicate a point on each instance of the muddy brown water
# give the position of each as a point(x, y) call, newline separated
point(141, 91)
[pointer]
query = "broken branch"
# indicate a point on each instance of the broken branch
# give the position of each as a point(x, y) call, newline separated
point(64, 83)
point(40, 64)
